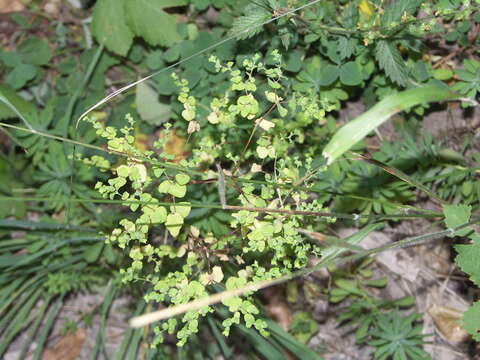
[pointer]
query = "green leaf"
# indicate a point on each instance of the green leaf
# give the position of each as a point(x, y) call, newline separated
point(471, 320)
point(34, 51)
point(148, 20)
point(396, 9)
point(456, 215)
point(92, 252)
point(174, 223)
point(110, 28)
point(391, 61)
point(159, 216)
point(177, 190)
point(346, 47)
point(360, 127)
point(182, 208)
point(182, 179)
point(164, 187)
point(350, 74)
point(467, 259)
point(172, 188)
point(149, 107)
point(21, 75)
point(249, 25)
point(24, 107)
point(123, 171)
point(10, 58)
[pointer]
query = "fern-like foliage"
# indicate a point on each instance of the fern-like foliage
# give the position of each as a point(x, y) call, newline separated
point(391, 62)
point(248, 25)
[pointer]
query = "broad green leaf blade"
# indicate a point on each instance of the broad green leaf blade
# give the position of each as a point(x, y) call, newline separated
point(360, 127)
point(35, 51)
point(148, 20)
point(109, 26)
point(149, 107)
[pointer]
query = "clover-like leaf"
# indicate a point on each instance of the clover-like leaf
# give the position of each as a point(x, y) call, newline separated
point(182, 208)
point(182, 179)
point(174, 223)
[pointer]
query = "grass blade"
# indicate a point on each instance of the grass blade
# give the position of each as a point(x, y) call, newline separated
point(42, 338)
point(301, 351)
point(16, 308)
point(34, 327)
point(360, 127)
point(19, 321)
point(107, 302)
point(402, 176)
point(121, 352)
point(133, 348)
point(220, 338)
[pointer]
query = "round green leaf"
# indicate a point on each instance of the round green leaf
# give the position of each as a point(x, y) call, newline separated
point(350, 74)
point(178, 191)
point(123, 171)
point(182, 179)
point(164, 187)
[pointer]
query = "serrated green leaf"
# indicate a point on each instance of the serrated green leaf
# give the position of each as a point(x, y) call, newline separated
point(456, 215)
point(396, 9)
point(149, 107)
point(346, 47)
point(109, 26)
point(391, 62)
point(148, 20)
point(21, 75)
point(467, 259)
point(249, 25)
point(34, 51)
point(10, 58)
point(471, 320)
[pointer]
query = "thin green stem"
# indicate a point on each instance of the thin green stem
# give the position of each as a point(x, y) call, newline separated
point(240, 208)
